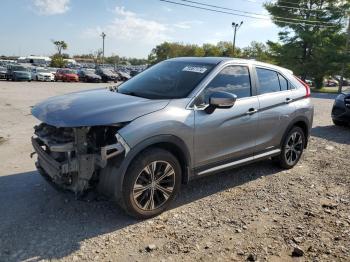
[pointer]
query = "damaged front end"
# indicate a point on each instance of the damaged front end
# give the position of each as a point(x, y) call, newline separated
point(73, 157)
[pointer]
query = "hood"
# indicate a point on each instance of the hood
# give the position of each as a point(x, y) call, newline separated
point(22, 72)
point(124, 74)
point(71, 75)
point(109, 74)
point(94, 108)
point(93, 75)
point(45, 74)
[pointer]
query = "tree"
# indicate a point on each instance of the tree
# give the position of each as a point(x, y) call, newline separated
point(311, 48)
point(58, 61)
point(168, 50)
point(258, 51)
point(60, 45)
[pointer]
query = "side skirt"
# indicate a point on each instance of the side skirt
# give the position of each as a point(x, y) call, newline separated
point(239, 162)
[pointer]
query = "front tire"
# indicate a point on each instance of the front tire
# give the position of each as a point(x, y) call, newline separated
point(152, 182)
point(292, 148)
point(339, 123)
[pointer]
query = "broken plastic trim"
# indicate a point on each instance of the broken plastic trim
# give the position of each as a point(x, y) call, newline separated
point(110, 151)
point(121, 140)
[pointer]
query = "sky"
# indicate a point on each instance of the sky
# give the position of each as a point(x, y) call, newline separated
point(133, 27)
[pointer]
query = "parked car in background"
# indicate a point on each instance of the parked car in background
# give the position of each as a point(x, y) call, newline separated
point(309, 82)
point(18, 73)
point(2, 72)
point(330, 82)
point(346, 81)
point(89, 75)
point(341, 109)
point(52, 70)
point(123, 76)
point(107, 75)
point(134, 72)
point(42, 74)
point(181, 119)
point(66, 75)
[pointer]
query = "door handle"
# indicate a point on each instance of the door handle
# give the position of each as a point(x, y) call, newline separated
point(251, 111)
point(288, 100)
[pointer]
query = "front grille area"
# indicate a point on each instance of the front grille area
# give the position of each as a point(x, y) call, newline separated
point(53, 134)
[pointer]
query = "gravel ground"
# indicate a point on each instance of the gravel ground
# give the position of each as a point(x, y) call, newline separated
point(258, 212)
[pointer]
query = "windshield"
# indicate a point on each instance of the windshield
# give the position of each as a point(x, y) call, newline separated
point(88, 71)
point(42, 71)
point(167, 80)
point(19, 68)
point(69, 72)
point(107, 71)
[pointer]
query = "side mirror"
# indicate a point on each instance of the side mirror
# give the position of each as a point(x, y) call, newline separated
point(222, 100)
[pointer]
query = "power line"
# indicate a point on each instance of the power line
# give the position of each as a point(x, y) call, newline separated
point(282, 20)
point(251, 13)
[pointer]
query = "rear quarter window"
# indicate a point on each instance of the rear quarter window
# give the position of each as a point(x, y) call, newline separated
point(283, 83)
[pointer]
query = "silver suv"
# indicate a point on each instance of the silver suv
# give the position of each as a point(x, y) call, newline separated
point(181, 119)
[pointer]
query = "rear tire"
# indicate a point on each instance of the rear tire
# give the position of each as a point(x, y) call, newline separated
point(152, 182)
point(292, 148)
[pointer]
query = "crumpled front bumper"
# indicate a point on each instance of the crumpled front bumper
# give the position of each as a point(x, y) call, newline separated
point(75, 171)
point(54, 169)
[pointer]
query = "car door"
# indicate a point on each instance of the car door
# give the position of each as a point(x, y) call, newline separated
point(276, 108)
point(226, 134)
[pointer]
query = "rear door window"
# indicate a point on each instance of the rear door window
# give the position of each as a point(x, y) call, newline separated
point(268, 81)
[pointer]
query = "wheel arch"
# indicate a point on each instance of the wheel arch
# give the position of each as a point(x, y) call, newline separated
point(112, 177)
point(301, 122)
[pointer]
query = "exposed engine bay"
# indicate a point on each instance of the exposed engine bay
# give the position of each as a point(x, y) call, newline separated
point(73, 157)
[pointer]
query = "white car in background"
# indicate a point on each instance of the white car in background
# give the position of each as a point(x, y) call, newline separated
point(42, 74)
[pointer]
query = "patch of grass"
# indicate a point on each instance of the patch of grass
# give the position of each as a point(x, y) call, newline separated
point(327, 90)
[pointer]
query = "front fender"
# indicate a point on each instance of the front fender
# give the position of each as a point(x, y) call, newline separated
point(112, 176)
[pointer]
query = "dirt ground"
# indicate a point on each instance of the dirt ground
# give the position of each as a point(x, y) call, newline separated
point(255, 213)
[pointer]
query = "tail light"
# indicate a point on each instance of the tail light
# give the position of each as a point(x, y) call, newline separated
point(308, 92)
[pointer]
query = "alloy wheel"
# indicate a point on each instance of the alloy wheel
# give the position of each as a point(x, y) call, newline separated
point(293, 148)
point(154, 185)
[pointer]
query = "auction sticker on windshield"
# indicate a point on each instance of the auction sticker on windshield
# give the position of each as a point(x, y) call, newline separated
point(195, 69)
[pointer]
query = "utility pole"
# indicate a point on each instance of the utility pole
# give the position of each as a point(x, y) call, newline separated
point(235, 26)
point(340, 89)
point(103, 35)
